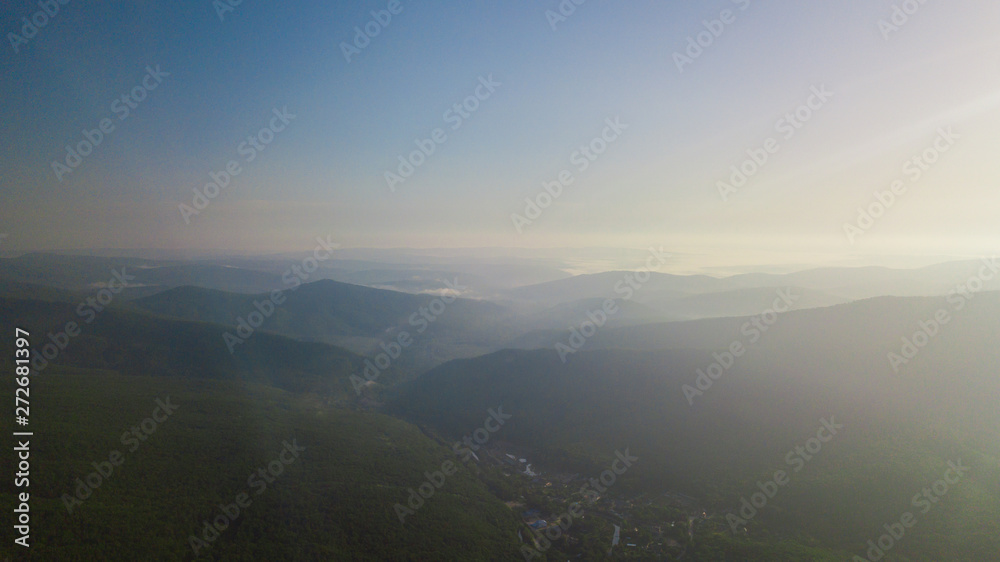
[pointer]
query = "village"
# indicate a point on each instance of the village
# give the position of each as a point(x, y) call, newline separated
point(564, 512)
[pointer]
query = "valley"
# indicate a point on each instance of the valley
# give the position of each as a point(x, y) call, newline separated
point(557, 281)
point(613, 437)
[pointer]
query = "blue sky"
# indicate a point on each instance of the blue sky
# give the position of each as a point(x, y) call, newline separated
point(656, 184)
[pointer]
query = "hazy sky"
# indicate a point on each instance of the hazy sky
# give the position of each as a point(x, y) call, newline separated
point(656, 183)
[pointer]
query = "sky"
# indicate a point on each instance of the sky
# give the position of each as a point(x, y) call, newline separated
point(896, 86)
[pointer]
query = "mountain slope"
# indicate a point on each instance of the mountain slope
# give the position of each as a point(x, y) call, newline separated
point(726, 434)
point(352, 316)
point(332, 500)
point(141, 344)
